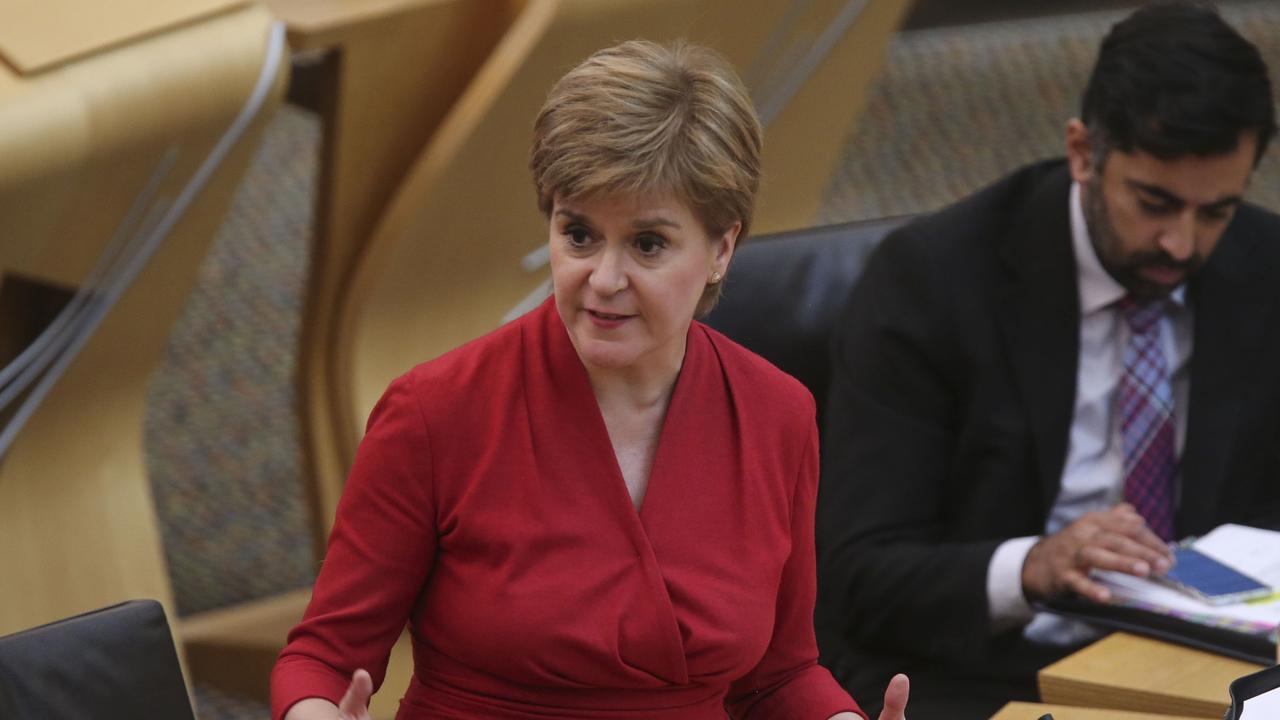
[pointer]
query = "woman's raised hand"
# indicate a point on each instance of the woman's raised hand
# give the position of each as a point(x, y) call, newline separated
point(895, 701)
point(895, 698)
point(355, 704)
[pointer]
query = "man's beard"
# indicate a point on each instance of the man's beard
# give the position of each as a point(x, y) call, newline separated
point(1125, 269)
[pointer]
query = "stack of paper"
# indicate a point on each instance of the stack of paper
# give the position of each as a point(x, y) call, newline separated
point(1252, 551)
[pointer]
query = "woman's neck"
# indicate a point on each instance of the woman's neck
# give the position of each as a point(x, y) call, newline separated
point(640, 386)
point(633, 402)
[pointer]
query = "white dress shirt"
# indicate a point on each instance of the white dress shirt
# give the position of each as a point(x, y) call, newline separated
point(1093, 476)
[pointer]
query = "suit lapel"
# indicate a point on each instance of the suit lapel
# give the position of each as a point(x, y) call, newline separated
point(1227, 295)
point(1039, 316)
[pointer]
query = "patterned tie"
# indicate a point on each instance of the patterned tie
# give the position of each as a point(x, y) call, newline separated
point(1146, 418)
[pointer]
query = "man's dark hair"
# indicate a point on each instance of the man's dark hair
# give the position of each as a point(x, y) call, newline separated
point(1174, 79)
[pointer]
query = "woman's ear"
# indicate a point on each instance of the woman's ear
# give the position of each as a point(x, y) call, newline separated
point(724, 247)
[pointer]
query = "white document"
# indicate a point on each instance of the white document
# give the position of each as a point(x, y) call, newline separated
point(1252, 551)
point(1262, 707)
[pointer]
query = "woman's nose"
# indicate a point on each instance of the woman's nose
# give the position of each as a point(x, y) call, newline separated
point(609, 275)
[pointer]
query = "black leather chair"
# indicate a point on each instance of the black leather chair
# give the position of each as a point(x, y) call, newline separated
point(117, 663)
point(785, 292)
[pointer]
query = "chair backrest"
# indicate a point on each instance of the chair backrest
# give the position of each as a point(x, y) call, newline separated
point(784, 294)
point(117, 663)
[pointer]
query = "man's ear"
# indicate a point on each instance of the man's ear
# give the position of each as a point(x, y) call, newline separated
point(1079, 152)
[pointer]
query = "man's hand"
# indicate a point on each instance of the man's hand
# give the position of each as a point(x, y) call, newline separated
point(1116, 539)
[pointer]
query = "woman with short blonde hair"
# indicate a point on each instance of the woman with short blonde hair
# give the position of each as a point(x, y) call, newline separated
point(603, 509)
point(643, 119)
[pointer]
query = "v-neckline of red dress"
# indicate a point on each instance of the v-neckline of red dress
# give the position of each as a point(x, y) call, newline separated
point(578, 412)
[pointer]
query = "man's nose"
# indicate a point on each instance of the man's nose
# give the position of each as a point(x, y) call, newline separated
point(1178, 240)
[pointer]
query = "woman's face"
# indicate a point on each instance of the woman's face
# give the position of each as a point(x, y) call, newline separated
point(628, 273)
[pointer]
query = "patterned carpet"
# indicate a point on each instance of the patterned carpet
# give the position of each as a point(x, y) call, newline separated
point(221, 432)
point(955, 109)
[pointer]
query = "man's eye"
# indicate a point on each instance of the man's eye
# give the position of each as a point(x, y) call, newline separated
point(1215, 214)
point(650, 245)
point(1154, 208)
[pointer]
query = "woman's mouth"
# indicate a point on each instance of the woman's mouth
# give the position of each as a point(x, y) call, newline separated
point(607, 321)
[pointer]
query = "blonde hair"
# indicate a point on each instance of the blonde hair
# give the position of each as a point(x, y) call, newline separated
point(641, 118)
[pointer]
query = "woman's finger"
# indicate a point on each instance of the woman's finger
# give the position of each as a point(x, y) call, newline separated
point(895, 698)
point(355, 703)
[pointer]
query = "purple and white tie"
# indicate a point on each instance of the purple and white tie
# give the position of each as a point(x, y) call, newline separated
point(1145, 401)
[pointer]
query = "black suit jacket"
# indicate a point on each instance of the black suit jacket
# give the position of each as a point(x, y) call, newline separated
point(953, 388)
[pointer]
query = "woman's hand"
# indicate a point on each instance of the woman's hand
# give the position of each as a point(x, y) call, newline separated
point(354, 705)
point(895, 698)
point(895, 701)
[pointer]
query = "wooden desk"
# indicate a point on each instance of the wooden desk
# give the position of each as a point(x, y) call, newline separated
point(1034, 711)
point(1127, 672)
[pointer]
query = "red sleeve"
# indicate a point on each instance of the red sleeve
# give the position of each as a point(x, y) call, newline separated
point(380, 551)
point(788, 683)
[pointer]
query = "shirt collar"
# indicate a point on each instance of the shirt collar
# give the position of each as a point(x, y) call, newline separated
point(1098, 290)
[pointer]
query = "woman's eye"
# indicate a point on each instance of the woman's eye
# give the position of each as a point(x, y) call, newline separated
point(650, 245)
point(577, 236)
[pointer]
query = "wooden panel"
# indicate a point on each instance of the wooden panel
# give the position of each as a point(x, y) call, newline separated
point(235, 648)
point(399, 67)
point(77, 524)
point(38, 34)
point(327, 24)
point(1127, 672)
point(804, 142)
point(77, 147)
point(1034, 711)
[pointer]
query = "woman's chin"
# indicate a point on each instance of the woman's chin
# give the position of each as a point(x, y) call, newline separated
point(606, 356)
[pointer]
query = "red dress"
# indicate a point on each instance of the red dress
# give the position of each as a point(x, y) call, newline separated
point(487, 510)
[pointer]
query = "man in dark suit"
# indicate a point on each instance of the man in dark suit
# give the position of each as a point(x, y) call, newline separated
point(1057, 374)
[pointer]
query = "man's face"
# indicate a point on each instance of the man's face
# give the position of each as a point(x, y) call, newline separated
point(1154, 222)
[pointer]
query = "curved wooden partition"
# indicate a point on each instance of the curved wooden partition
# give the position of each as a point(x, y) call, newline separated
point(392, 69)
point(91, 104)
point(457, 250)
